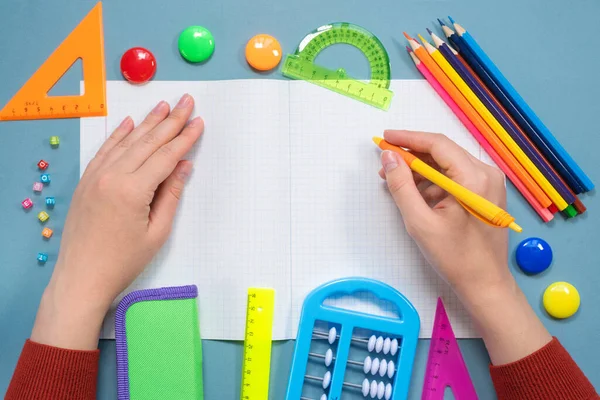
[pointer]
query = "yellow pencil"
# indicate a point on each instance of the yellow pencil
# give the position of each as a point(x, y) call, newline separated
point(498, 129)
point(481, 208)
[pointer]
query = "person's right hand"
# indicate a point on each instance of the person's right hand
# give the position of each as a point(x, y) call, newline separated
point(469, 254)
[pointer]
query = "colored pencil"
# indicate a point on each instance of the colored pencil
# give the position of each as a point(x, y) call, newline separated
point(544, 213)
point(495, 125)
point(577, 204)
point(524, 108)
point(476, 205)
point(512, 130)
point(485, 130)
point(521, 121)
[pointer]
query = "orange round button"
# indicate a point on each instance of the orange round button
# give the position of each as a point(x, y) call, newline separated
point(263, 52)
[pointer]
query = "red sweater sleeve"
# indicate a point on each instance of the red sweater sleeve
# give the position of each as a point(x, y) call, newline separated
point(50, 373)
point(549, 373)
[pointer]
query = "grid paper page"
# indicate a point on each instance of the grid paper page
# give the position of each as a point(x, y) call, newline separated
point(344, 222)
point(232, 227)
point(285, 194)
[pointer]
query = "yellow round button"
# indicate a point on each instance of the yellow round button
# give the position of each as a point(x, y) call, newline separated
point(561, 300)
point(263, 52)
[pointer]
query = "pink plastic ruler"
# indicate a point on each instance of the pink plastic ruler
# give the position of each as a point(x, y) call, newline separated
point(445, 364)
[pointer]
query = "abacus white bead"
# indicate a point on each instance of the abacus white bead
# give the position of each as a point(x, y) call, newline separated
point(380, 390)
point(383, 367)
point(375, 366)
point(386, 345)
point(379, 344)
point(371, 344)
point(323, 397)
point(326, 379)
point(328, 357)
point(394, 347)
point(388, 391)
point(332, 335)
point(367, 364)
point(391, 369)
point(373, 391)
point(365, 387)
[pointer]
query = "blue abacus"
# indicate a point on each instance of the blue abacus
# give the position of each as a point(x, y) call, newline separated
point(404, 330)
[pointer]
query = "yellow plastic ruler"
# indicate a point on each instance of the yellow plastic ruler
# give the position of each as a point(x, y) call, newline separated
point(257, 344)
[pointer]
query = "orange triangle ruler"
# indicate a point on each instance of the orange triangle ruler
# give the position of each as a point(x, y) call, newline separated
point(85, 42)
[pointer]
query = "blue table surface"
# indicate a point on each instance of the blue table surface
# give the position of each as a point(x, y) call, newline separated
point(544, 47)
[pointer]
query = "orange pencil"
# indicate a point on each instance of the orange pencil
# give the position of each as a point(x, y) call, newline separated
point(578, 204)
point(476, 119)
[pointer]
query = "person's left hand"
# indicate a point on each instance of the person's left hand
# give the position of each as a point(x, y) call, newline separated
point(120, 215)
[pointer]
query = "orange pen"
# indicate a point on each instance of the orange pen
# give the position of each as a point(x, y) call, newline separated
point(476, 119)
point(482, 209)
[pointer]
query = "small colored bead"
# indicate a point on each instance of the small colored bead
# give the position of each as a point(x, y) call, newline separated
point(50, 202)
point(42, 165)
point(27, 203)
point(47, 232)
point(45, 178)
point(54, 141)
point(43, 216)
point(42, 257)
point(38, 186)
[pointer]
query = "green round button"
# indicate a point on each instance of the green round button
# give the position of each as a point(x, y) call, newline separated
point(196, 44)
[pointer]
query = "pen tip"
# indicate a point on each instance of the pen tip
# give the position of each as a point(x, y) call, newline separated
point(515, 227)
point(451, 19)
point(441, 22)
point(377, 140)
point(406, 35)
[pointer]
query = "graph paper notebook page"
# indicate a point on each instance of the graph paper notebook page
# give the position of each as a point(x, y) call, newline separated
point(285, 194)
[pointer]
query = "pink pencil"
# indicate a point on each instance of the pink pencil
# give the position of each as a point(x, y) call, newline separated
point(544, 213)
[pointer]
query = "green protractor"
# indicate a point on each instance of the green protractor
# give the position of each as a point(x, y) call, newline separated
point(375, 92)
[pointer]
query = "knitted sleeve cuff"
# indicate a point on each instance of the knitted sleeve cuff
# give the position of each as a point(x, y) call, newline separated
point(549, 373)
point(46, 372)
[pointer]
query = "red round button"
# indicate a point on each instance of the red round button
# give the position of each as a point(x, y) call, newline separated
point(138, 65)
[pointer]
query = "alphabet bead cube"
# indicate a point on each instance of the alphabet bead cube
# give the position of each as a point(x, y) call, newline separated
point(27, 203)
point(45, 178)
point(42, 165)
point(43, 216)
point(50, 202)
point(42, 257)
point(38, 186)
point(54, 141)
point(47, 233)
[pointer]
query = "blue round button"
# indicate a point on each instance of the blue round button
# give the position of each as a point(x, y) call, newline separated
point(534, 255)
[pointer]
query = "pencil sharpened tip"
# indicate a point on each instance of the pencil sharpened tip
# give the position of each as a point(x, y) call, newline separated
point(441, 22)
point(422, 38)
point(451, 19)
point(406, 35)
point(377, 140)
point(408, 49)
point(429, 31)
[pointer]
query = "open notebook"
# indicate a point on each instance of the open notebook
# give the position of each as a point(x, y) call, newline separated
point(285, 194)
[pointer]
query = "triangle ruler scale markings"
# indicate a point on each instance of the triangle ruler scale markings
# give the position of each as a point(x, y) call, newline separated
point(85, 42)
point(445, 364)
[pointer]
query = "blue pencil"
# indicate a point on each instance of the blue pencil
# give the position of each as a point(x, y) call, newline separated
point(503, 120)
point(459, 44)
point(524, 108)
